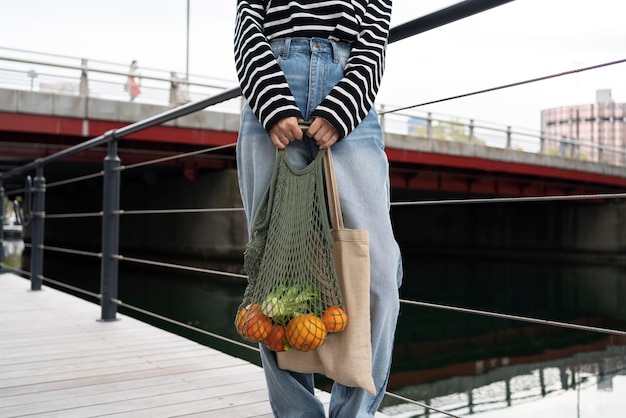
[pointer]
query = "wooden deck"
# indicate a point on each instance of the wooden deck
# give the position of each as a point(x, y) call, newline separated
point(57, 360)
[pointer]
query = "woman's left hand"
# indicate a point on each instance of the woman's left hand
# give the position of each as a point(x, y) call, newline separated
point(323, 133)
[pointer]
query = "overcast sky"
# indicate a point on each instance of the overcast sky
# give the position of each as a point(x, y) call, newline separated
point(521, 40)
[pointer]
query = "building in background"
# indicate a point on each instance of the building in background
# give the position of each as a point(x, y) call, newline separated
point(594, 132)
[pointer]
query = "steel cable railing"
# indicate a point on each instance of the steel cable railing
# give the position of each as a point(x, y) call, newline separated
point(72, 251)
point(73, 288)
point(179, 266)
point(174, 157)
point(410, 302)
point(424, 304)
point(521, 199)
point(509, 85)
point(165, 211)
point(75, 179)
point(519, 318)
point(423, 405)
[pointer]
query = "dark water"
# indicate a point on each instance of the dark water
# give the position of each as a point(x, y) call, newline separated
point(464, 363)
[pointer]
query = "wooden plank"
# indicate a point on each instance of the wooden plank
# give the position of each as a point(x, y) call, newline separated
point(79, 369)
point(108, 358)
point(138, 399)
point(109, 389)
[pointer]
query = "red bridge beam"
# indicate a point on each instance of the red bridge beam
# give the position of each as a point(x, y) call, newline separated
point(430, 171)
point(64, 126)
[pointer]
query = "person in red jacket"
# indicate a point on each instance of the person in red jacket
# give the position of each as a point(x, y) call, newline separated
point(133, 82)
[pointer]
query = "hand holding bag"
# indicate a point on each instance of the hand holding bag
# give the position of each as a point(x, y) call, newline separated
point(345, 357)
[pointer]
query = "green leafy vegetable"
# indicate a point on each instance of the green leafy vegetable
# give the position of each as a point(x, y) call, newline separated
point(285, 302)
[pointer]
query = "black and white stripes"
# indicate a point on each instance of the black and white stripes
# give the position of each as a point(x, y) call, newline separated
point(362, 23)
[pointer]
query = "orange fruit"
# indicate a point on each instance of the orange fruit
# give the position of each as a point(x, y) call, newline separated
point(239, 320)
point(335, 319)
point(275, 341)
point(242, 314)
point(256, 326)
point(305, 332)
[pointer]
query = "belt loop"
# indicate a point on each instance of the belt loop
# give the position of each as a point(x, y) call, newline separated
point(287, 45)
point(335, 51)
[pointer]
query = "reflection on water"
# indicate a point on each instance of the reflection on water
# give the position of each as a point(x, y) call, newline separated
point(466, 364)
point(590, 372)
point(471, 365)
point(12, 253)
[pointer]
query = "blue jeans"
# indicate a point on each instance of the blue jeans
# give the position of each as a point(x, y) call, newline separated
point(312, 67)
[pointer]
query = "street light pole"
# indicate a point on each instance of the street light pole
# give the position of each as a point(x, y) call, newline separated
point(187, 67)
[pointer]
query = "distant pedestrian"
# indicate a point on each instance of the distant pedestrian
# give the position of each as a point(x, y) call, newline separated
point(133, 83)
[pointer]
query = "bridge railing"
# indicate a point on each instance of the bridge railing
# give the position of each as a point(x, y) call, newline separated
point(58, 74)
point(437, 127)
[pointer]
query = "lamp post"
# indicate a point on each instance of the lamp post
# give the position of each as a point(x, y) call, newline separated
point(187, 67)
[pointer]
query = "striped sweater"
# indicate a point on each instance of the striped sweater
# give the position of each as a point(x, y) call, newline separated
point(362, 23)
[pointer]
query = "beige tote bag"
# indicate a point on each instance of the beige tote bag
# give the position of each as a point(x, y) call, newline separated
point(345, 357)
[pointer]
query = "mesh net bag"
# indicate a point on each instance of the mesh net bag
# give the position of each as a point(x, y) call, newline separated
point(293, 298)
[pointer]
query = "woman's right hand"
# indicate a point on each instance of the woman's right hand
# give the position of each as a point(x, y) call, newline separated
point(285, 131)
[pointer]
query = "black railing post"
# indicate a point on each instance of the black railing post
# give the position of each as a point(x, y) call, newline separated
point(37, 231)
point(110, 231)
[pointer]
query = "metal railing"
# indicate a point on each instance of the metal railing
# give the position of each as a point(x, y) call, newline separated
point(58, 74)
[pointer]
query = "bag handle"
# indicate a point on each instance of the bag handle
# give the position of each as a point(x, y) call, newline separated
point(332, 192)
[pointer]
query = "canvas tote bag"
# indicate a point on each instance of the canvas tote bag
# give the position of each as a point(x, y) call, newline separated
point(345, 357)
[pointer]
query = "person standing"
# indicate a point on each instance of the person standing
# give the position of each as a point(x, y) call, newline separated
point(322, 62)
point(133, 82)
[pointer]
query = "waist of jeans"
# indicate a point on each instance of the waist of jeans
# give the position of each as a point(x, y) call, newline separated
point(285, 46)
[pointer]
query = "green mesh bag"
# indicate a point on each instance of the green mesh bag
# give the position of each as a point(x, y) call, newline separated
point(293, 298)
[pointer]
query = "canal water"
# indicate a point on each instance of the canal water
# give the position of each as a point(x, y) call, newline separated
point(464, 363)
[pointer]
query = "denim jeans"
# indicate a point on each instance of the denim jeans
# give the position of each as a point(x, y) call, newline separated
point(312, 67)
